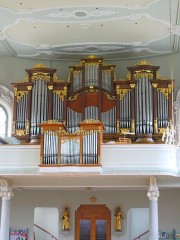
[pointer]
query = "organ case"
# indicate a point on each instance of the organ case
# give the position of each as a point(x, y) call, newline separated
point(139, 106)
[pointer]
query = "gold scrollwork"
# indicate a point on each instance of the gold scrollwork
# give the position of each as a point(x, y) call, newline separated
point(72, 98)
point(39, 65)
point(164, 91)
point(121, 92)
point(29, 88)
point(26, 79)
point(118, 126)
point(110, 97)
point(50, 87)
point(41, 76)
point(20, 132)
point(128, 76)
point(132, 85)
point(27, 127)
point(20, 94)
point(169, 88)
point(143, 62)
point(154, 85)
point(50, 122)
point(143, 74)
point(155, 125)
point(50, 132)
point(125, 130)
point(133, 125)
point(91, 121)
point(161, 130)
point(76, 73)
point(92, 64)
point(61, 93)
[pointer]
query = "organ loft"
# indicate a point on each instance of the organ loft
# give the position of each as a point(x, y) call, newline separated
point(138, 106)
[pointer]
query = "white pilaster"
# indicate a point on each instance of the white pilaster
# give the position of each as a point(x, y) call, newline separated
point(153, 195)
point(6, 194)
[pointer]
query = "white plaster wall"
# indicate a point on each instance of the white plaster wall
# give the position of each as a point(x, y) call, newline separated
point(24, 203)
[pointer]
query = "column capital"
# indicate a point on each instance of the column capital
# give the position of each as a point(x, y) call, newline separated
point(6, 192)
point(153, 192)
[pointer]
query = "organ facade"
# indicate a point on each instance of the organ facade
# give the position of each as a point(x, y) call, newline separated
point(138, 106)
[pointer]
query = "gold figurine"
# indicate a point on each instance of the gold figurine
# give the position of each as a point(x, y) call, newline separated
point(118, 217)
point(65, 219)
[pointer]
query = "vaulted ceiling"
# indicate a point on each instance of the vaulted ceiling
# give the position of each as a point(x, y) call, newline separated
point(68, 29)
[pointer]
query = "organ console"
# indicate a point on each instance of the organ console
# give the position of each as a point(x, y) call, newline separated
point(139, 106)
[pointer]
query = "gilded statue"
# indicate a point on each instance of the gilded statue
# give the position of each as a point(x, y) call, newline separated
point(118, 218)
point(65, 219)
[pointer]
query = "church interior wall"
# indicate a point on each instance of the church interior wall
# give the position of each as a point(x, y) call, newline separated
point(25, 201)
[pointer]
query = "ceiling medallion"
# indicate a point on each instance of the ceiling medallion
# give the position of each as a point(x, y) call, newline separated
point(81, 14)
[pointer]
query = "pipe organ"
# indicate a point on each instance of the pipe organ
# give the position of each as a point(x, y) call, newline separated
point(58, 147)
point(41, 97)
point(139, 106)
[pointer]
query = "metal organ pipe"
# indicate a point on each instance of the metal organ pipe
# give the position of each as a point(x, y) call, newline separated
point(39, 106)
point(109, 120)
point(144, 108)
point(91, 112)
point(58, 107)
point(125, 111)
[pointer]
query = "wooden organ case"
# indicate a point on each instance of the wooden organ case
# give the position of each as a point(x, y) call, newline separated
point(40, 97)
point(144, 103)
point(139, 106)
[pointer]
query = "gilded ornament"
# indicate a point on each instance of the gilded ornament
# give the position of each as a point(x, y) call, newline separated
point(161, 130)
point(121, 92)
point(26, 79)
point(143, 74)
point(91, 89)
point(155, 126)
point(20, 94)
point(76, 73)
point(110, 97)
point(125, 130)
point(72, 98)
point(132, 85)
point(29, 88)
point(169, 88)
point(164, 91)
point(51, 122)
point(39, 65)
point(128, 76)
point(27, 127)
point(41, 76)
point(118, 126)
point(20, 132)
point(144, 62)
point(91, 56)
point(61, 93)
point(91, 121)
point(133, 125)
point(154, 85)
point(50, 87)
